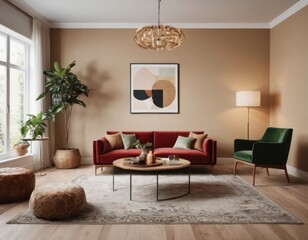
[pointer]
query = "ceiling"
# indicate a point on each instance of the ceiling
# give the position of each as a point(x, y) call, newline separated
point(181, 13)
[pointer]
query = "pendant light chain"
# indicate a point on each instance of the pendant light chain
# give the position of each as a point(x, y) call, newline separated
point(159, 12)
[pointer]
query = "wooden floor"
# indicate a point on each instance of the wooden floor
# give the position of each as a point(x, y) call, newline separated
point(292, 197)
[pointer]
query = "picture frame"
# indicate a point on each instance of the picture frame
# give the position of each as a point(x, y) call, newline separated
point(154, 88)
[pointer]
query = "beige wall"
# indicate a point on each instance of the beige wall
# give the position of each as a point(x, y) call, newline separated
point(289, 83)
point(213, 65)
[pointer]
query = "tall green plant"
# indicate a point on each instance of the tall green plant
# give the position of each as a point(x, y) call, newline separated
point(65, 89)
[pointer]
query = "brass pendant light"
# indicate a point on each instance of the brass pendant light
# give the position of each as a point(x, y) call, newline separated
point(159, 36)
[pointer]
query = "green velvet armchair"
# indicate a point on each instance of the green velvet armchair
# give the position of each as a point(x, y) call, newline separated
point(271, 151)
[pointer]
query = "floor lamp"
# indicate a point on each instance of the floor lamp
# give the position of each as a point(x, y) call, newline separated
point(248, 99)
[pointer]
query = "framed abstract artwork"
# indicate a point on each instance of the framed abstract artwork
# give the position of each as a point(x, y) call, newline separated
point(154, 88)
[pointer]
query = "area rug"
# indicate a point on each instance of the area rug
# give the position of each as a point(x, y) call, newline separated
point(214, 199)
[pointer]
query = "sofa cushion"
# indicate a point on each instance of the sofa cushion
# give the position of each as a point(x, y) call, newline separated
point(106, 145)
point(128, 140)
point(168, 138)
point(143, 136)
point(199, 140)
point(109, 157)
point(115, 141)
point(196, 157)
point(184, 142)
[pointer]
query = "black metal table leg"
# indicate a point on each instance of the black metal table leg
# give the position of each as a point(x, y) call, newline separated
point(188, 192)
point(130, 185)
point(113, 178)
point(157, 185)
point(188, 179)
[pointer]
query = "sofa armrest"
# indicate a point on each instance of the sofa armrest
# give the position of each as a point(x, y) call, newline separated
point(100, 147)
point(209, 148)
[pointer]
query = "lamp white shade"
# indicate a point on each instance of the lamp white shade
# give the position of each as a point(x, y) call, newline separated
point(248, 99)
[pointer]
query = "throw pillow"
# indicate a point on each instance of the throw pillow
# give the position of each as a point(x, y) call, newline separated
point(184, 142)
point(128, 140)
point(115, 141)
point(199, 140)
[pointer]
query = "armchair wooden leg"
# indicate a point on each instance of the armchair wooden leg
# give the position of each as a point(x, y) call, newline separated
point(254, 175)
point(235, 165)
point(286, 172)
point(267, 171)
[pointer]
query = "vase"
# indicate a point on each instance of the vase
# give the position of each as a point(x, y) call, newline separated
point(143, 156)
point(150, 158)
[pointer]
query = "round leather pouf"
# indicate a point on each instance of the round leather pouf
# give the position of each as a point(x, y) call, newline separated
point(57, 200)
point(16, 184)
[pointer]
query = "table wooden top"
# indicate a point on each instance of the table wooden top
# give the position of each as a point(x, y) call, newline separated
point(181, 164)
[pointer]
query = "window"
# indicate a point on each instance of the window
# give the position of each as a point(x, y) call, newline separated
point(14, 81)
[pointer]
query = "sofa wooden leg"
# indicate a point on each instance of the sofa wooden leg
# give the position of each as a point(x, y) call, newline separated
point(96, 167)
point(267, 171)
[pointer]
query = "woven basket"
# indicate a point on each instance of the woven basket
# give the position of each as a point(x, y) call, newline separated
point(67, 158)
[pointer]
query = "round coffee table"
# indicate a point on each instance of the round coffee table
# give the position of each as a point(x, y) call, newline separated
point(157, 168)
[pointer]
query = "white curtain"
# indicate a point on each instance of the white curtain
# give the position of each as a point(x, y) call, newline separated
point(40, 61)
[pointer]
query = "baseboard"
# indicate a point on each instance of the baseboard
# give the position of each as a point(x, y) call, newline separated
point(225, 160)
point(86, 161)
point(297, 173)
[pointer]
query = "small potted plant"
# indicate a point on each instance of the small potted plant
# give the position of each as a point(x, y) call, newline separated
point(35, 126)
point(144, 150)
point(21, 147)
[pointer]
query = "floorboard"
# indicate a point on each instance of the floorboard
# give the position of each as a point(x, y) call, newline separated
point(292, 197)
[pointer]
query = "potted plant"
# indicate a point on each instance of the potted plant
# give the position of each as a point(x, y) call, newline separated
point(21, 147)
point(34, 126)
point(144, 150)
point(65, 90)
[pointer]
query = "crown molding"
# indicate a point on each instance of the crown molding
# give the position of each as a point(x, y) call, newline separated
point(179, 25)
point(221, 25)
point(288, 13)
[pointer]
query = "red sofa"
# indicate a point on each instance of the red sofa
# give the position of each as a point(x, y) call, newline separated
point(163, 142)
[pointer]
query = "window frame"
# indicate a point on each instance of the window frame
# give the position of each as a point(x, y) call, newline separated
point(10, 35)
